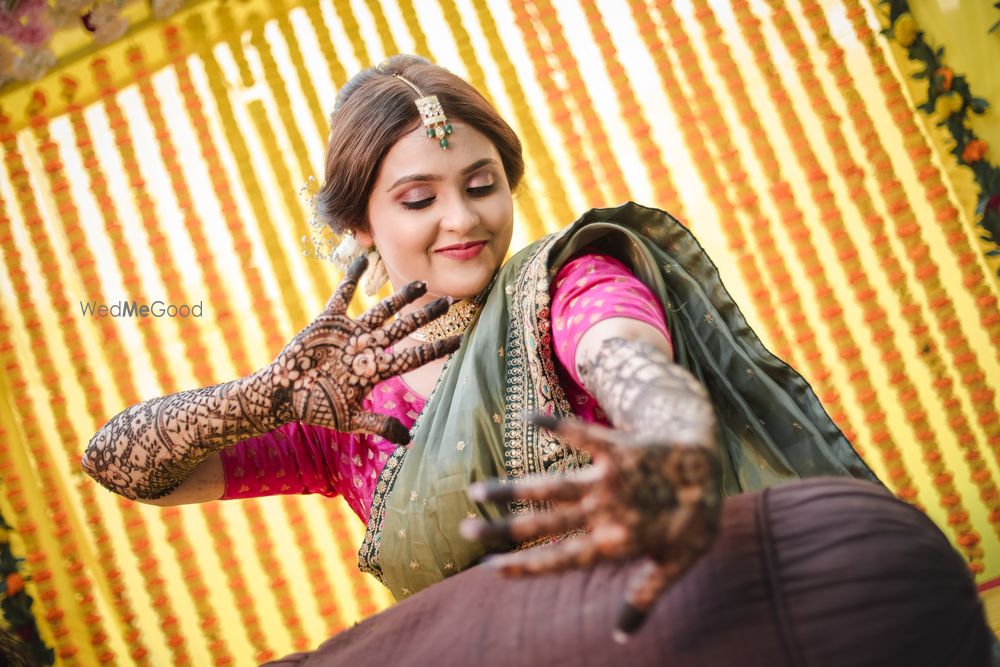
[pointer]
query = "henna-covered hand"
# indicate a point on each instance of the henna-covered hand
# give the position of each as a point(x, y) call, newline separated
point(323, 375)
point(653, 490)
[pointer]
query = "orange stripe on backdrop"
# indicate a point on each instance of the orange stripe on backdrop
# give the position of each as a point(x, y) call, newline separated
point(271, 566)
point(263, 308)
point(85, 267)
point(555, 96)
point(191, 568)
point(535, 147)
point(915, 411)
point(598, 136)
point(119, 363)
point(709, 170)
point(664, 190)
point(40, 528)
point(799, 232)
point(741, 206)
point(965, 254)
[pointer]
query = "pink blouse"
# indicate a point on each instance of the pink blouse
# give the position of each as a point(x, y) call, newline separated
point(300, 458)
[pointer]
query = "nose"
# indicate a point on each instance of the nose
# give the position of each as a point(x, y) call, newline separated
point(460, 217)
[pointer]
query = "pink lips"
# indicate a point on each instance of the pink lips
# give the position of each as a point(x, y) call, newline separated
point(462, 251)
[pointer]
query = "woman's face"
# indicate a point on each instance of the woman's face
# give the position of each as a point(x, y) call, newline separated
point(444, 216)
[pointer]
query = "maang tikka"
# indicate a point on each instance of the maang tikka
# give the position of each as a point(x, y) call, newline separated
point(431, 114)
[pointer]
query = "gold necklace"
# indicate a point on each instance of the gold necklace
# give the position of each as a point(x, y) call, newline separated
point(452, 323)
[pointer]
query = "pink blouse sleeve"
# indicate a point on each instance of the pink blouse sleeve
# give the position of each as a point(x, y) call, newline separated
point(294, 458)
point(593, 287)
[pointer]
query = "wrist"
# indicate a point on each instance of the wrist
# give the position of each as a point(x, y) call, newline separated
point(257, 401)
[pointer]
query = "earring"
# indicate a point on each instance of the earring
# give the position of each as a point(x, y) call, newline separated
point(376, 275)
point(346, 252)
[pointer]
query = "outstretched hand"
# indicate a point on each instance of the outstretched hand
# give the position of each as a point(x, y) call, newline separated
point(650, 499)
point(323, 375)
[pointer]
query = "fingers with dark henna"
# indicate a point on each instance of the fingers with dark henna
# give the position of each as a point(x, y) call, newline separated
point(388, 427)
point(341, 299)
point(645, 585)
point(391, 305)
point(576, 551)
point(592, 438)
point(521, 527)
point(539, 487)
point(418, 355)
point(407, 325)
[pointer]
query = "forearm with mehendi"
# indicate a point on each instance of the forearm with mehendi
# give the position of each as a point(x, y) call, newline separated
point(149, 449)
point(642, 391)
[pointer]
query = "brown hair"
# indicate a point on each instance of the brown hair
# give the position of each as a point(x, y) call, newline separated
point(374, 109)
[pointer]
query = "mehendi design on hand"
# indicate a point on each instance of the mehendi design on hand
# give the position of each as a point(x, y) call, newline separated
point(324, 373)
point(645, 393)
point(320, 378)
point(653, 490)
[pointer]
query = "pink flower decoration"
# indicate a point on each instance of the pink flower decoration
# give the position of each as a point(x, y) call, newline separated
point(28, 25)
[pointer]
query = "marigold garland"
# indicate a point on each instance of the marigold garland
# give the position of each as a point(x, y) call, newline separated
point(420, 45)
point(338, 75)
point(854, 176)
point(85, 264)
point(949, 497)
point(190, 334)
point(800, 234)
point(535, 145)
point(382, 27)
point(950, 98)
point(597, 138)
point(664, 189)
point(318, 109)
point(226, 315)
point(936, 191)
point(195, 350)
point(195, 25)
point(64, 426)
point(708, 170)
point(804, 346)
point(136, 533)
point(556, 98)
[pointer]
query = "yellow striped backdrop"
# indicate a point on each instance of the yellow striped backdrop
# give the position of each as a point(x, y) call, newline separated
point(167, 166)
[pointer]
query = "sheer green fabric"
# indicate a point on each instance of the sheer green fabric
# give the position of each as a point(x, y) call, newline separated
point(772, 428)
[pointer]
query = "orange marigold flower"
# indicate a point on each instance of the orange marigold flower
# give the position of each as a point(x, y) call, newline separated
point(946, 75)
point(975, 150)
point(15, 584)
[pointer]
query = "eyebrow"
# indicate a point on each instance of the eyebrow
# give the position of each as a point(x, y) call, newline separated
point(437, 177)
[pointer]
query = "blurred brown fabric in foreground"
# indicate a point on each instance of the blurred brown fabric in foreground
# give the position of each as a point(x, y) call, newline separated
point(818, 572)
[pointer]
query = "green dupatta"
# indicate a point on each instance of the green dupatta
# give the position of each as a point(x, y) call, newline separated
point(772, 428)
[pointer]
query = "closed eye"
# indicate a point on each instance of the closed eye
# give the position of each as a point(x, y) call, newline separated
point(482, 190)
point(414, 205)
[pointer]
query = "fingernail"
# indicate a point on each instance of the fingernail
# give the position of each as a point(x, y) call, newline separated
point(477, 492)
point(619, 636)
point(450, 299)
point(629, 620)
point(469, 529)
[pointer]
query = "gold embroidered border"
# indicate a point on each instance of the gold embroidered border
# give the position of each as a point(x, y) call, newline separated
point(368, 554)
point(532, 382)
